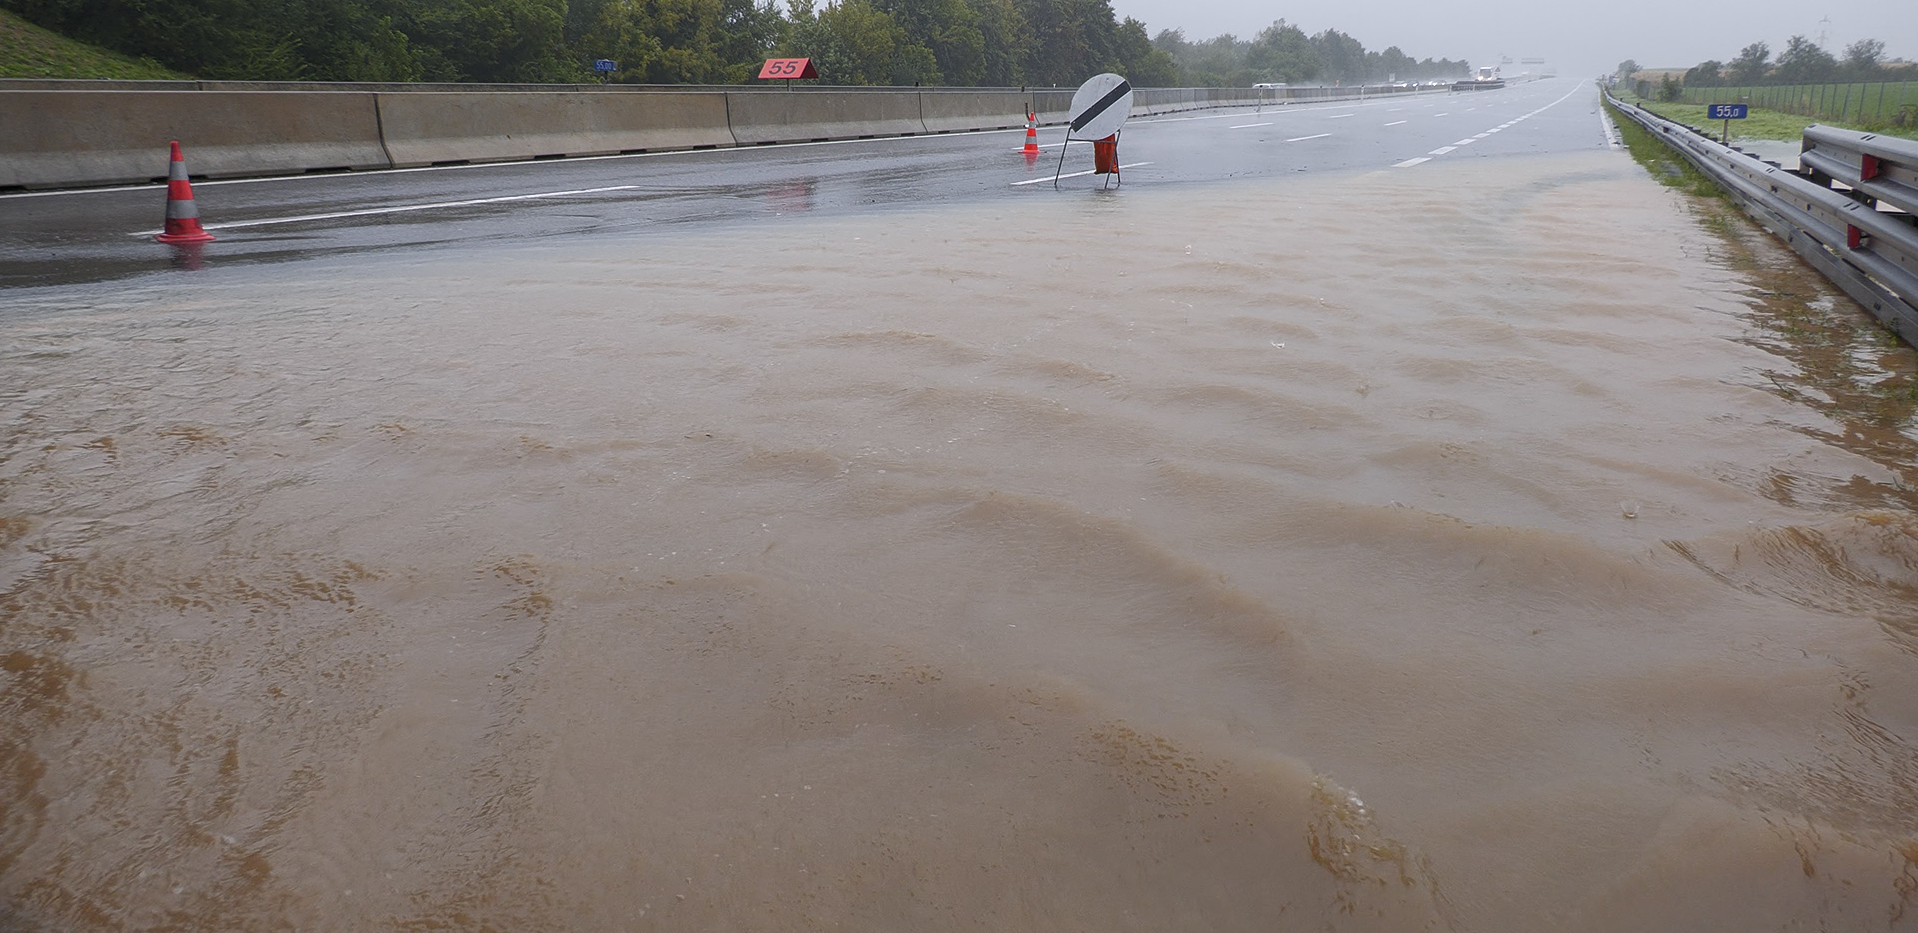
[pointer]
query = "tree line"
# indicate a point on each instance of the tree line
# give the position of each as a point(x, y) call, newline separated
point(1801, 62)
point(999, 43)
point(1283, 52)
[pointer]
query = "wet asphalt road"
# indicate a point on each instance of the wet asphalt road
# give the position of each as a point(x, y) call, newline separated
point(53, 238)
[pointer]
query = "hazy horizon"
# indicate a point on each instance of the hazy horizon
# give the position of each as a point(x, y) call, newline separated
point(1575, 40)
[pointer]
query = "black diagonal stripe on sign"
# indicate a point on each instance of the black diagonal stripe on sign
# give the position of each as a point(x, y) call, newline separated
point(1112, 97)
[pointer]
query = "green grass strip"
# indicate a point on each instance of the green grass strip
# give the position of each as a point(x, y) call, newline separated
point(28, 51)
point(1762, 124)
point(1664, 163)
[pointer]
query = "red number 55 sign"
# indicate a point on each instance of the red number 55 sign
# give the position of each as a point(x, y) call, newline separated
point(788, 68)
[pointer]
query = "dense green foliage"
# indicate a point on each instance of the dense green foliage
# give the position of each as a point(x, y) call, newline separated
point(1003, 43)
point(1802, 62)
point(1282, 52)
point(29, 51)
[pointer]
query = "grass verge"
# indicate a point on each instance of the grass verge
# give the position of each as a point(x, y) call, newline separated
point(1671, 169)
point(28, 51)
point(1762, 124)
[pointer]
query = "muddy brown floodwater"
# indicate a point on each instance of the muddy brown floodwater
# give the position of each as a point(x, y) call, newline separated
point(1486, 547)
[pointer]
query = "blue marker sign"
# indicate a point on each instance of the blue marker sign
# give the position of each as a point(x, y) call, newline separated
point(605, 64)
point(1726, 111)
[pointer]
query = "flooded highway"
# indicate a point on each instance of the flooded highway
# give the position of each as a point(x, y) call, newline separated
point(1500, 544)
point(59, 237)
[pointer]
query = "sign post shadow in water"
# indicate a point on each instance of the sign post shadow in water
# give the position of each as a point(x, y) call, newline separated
point(1727, 113)
point(1099, 109)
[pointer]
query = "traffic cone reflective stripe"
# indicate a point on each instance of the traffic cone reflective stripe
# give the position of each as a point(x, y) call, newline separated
point(1032, 134)
point(182, 215)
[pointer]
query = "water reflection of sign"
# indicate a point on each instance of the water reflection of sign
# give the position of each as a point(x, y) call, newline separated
point(787, 69)
point(605, 64)
point(791, 198)
point(1726, 111)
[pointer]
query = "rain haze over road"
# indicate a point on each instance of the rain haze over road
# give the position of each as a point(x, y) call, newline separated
point(1577, 38)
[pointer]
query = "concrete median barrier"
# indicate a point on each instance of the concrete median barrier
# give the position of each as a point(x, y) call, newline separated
point(1053, 106)
point(56, 138)
point(957, 110)
point(432, 127)
point(72, 133)
point(841, 113)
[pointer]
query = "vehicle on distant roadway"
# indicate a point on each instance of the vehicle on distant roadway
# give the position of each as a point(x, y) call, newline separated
point(1271, 84)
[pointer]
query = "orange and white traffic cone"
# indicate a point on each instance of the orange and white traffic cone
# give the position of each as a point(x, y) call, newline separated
point(182, 215)
point(1032, 134)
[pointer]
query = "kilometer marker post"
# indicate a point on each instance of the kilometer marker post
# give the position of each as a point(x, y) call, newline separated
point(1727, 113)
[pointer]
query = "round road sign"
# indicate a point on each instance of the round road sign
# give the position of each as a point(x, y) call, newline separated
point(1100, 107)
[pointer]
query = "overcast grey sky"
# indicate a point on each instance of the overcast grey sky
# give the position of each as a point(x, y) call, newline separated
point(1580, 38)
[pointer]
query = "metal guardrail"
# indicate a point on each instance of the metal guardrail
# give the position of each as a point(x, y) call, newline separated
point(1882, 167)
point(1870, 254)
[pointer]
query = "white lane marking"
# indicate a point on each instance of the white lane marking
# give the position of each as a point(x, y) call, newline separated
point(1041, 145)
point(1339, 116)
point(1445, 114)
point(402, 209)
point(1034, 181)
point(1408, 163)
point(1279, 108)
point(516, 163)
point(1443, 150)
point(1395, 122)
point(1463, 142)
point(1300, 139)
point(1247, 126)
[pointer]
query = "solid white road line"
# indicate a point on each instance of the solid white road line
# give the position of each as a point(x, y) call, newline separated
point(1034, 181)
point(1340, 116)
point(402, 209)
point(1395, 122)
point(1408, 163)
point(1245, 126)
point(1300, 139)
point(569, 160)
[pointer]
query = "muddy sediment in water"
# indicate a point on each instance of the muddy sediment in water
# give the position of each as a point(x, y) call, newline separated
point(1490, 547)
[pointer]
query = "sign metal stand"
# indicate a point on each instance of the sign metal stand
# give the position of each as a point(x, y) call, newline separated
point(1727, 113)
